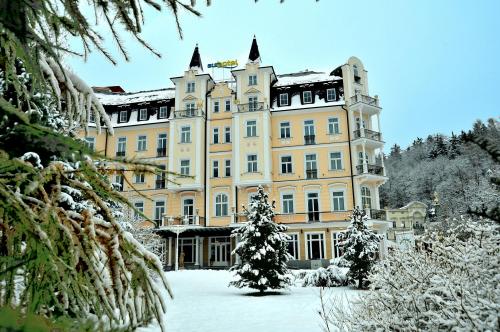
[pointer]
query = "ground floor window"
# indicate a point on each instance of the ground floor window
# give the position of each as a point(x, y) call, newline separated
point(338, 250)
point(188, 247)
point(315, 246)
point(220, 251)
point(293, 245)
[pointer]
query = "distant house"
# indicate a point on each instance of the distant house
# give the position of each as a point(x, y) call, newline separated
point(406, 219)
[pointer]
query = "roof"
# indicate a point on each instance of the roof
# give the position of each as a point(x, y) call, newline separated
point(113, 88)
point(196, 60)
point(135, 97)
point(254, 55)
point(304, 77)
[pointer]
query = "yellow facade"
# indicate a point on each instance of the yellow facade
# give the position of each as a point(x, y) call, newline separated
point(226, 138)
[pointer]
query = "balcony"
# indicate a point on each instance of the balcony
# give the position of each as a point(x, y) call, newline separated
point(188, 113)
point(309, 139)
point(161, 152)
point(367, 133)
point(251, 107)
point(303, 217)
point(311, 174)
point(359, 98)
point(366, 104)
point(120, 153)
point(370, 169)
point(160, 184)
point(193, 220)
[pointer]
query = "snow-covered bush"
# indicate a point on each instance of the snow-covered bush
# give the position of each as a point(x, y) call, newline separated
point(454, 286)
point(332, 276)
point(262, 249)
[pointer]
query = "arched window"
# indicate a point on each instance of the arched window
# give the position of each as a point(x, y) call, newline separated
point(366, 198)
point(188, 209)
point(355, 70)
point(221, 205)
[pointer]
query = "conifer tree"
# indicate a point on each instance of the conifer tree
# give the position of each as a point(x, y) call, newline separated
point(262, 248)
point(360, 247)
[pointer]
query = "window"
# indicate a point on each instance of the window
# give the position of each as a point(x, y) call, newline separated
point(140, 207)
point(287, 203)
point(307, 97)
point(227, 106)
point(161, 149)
point(221, 205)
point(338, 201)
point(286, 164)
point(333, 126)
point(227, 166)
point(331, 95)
point(185, 167)
point(141, 143)
point(188, 210)
point(252, 163)
point(252, 80)
point(360, 158)
point(159, 210)
point(309, 132)
point(252, 103)
point(190, 109)
point(227, 135)
point(215, 136)
point(366, 198)
point(143, 114)
point(285, 129)
point(163, 112)
point(216, 106)
point(139, 178)
point(190, 87)
point(122, 146)
point(293, 245)
point(311, 166)
point(119, 181)
point(335, 161)
point(90, 142)
point(355, 70)
point(160, 178)
point(338, 250)
point(123, 116)
point(251, 128)
point(312, 206)
point(315, 246)
point(91, 117)
point(283, 99)
point(215, 168)
point(185, 134)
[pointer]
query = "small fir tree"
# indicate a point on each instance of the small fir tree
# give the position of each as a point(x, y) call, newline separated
point(360, 247)
point(262, 249)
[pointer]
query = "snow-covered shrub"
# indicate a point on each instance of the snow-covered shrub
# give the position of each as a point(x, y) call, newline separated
point(332, 276)
point(453, 286)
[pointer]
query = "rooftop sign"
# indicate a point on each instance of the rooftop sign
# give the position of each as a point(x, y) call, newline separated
point(224, 64)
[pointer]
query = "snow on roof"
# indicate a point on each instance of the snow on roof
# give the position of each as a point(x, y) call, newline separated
point(304, 77)
point(135, 97)
point(295, 104)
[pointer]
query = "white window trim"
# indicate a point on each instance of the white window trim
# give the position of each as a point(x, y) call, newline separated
point(289, 127)
point(214, 103)
point(118, 143)
point(328, 125)
point(304, 126)
point(216, 193)
point(311, 191)
point(332, 243)
point(140, 113)
point(330, 195)
point(145, 146)
point(230, 105)
point(218, 135)
point(230, 168)
point(188, 83)
point(306, 243)
point(256, 126)
point(304, 98)
point(218, 168)
point(287, 101)
point(298, 243)
point(230, 134)
point(280, 163)
point(190, 134)
point(334, 92)
point(287, 192)
point(180, 166)
point(90, 140)
point(341, 160)
point(164, 208)
point(159, 112)
point(257, 161)
point(305, 164)
point(120, 116)
point(183, 199)
point(250, 81)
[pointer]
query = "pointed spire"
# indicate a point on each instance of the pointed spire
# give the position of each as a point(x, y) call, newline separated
point(196, 60)
point(254, 56)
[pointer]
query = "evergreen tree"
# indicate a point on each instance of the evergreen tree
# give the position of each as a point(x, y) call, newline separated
point(262, 248)
point(438, 147)
point(395, 151)
point(454, 149)
point(360, 247)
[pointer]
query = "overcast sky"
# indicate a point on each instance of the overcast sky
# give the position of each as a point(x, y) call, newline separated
point(434, 64)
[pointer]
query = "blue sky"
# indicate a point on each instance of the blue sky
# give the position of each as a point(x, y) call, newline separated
point(434, 64)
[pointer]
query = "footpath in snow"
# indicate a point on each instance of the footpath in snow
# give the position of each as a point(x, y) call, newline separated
point(203, 302)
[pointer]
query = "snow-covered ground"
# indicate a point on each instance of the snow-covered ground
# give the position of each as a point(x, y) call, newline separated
point(203, 302)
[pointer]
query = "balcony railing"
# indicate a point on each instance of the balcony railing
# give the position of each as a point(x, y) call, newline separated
point(189, 113)
point(120, 153)
point(160, 184)
point(309, 139)
point(161, 152)
point(304, 217)
point(311, 174)
point(370, 169)
point(367, 133)
point(359, 98)
point(182, 220)
point(251, 107)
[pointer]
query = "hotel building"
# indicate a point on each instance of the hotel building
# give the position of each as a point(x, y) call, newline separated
point(312, 139)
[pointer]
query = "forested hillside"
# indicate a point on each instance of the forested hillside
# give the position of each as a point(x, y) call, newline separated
point(455, 168)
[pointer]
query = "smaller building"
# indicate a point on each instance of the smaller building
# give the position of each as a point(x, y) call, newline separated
point(409, 218)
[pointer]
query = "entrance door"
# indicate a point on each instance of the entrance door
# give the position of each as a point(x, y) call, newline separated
point(312, 206)
point(220, 252)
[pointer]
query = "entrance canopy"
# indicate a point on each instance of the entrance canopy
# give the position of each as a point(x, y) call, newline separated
point(193, 231)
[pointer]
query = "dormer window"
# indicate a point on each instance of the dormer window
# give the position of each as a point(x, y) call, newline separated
point(162, 114)
point(190, 87)
point(331, 95)
point(123, 116)
point(252, 80)
point(284, 99)
point(143, 114)
point(355, 70)
point(307, 97)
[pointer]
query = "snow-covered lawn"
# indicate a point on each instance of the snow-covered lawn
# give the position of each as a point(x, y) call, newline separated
point(203, 302)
